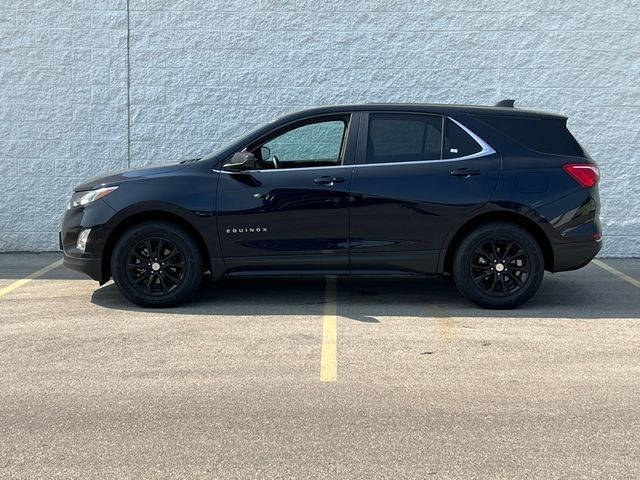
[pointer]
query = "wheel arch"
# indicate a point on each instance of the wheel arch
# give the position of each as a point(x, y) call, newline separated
point(498, 216)
point(151, 216)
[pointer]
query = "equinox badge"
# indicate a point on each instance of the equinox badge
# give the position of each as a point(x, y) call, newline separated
point(247, 230)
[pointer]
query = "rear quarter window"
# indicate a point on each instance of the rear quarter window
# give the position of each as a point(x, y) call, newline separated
point(545, 135)
point(457, 142)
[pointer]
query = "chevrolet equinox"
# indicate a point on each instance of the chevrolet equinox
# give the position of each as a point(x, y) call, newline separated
point(493, 196)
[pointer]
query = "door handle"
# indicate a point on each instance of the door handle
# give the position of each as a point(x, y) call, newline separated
point(327, 180)
point(465, 172)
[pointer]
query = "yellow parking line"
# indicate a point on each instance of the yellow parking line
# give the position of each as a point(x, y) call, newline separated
point(28, 278)
point(447, 324)
point(617, 273)
point(328, 354)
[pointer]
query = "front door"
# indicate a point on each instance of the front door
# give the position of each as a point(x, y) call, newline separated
point(290, 214)
point(416, 177)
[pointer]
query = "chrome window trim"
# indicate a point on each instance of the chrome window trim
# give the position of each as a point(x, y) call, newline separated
point(285, 169)
point(486, 151)
point(444, 160)
point(486, 148)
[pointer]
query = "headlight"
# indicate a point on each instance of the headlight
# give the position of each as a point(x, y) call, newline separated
point(81, 199)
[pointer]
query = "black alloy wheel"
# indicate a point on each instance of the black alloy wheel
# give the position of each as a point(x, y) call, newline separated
point(156, 264)
point(498, 265)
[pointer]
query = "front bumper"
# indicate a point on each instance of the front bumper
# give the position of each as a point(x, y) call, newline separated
point(88, 266)
point(97, 216)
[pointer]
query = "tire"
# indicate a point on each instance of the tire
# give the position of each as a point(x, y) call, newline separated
point(499, 265)
point(170, 264)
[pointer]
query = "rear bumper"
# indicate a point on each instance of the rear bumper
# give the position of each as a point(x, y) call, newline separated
point(88, 266)
point(574, 255)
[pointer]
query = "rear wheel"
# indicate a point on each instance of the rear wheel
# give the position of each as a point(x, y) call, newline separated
point(498, 265)
point(156, 264)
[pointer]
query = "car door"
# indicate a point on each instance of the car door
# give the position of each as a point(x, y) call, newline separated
point(416, 176)
point(290, 213)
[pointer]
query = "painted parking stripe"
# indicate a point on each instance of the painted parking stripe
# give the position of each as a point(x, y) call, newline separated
point(328, 354)
point(447, 324)
point(617, 273)
point(28, 278)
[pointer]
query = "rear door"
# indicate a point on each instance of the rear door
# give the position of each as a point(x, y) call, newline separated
point(416, 176)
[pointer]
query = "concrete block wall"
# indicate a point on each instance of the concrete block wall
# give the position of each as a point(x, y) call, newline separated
point(63, 109)
point(202, 71)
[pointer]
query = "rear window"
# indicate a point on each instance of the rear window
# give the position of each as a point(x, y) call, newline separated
point(539, 134)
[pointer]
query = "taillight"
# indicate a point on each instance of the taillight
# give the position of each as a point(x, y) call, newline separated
point(586, 174)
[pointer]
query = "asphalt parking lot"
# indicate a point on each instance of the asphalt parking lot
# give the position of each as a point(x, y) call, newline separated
point(319, 378)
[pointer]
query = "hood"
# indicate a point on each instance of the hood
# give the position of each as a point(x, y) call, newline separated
point(121, 176)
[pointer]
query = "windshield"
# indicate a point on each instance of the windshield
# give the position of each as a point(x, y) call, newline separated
point(236, 141)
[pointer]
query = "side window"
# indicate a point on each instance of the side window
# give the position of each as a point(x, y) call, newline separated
point(457, 142)
point(312, 145)
point(396, 137)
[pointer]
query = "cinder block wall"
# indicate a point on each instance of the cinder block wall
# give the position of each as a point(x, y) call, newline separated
point(63, 109)
point(202, 71)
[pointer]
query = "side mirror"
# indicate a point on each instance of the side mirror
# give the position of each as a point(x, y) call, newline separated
point(265, 153)
point(241, 161)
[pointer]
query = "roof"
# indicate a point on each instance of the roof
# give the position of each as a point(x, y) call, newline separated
point(431, 108)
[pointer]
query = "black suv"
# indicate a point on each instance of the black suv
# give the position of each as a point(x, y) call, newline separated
point(492, 195)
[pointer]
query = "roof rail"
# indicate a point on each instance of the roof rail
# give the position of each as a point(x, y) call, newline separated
point(506, 103)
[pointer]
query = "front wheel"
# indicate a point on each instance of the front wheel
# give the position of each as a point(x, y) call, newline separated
point(156, 264)
point(499, 265)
